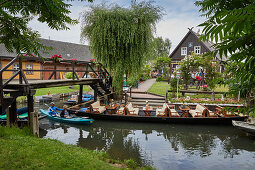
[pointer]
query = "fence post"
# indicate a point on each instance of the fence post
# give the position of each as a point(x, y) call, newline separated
point(213, 95)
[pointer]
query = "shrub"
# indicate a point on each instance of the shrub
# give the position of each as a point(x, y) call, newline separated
point(161, 78)
point(69, 75)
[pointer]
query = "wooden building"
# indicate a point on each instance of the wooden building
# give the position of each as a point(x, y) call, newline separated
point(190, 43)
point(67, 50)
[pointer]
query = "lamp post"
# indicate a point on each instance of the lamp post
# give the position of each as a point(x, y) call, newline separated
point(178, 77)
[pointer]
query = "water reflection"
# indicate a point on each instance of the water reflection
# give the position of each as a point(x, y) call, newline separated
point(161, 146)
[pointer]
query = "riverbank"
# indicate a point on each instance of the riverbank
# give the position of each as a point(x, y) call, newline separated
point(55, 90)
point(20, 150)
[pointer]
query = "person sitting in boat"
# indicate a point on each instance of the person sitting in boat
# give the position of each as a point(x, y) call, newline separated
point(65, 113)
point(53, 109)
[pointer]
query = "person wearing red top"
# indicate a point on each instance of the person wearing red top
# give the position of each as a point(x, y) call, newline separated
point(198, 81)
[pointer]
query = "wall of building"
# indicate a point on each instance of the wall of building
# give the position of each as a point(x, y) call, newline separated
point(60, 75)
point(191, 38)
point(29, 75)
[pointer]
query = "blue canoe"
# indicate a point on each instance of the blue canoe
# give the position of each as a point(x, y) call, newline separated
point(76, 120)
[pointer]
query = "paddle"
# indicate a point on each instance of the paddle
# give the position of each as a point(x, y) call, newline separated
point(51, 109)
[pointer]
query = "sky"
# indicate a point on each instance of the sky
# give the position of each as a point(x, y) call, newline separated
point(179, 16)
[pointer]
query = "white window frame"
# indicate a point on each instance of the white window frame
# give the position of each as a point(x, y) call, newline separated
point(184, 51)
point(197, 49)
point(29, 66)
point(15, 66)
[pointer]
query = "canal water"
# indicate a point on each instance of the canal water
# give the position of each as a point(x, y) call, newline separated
point(162, 146)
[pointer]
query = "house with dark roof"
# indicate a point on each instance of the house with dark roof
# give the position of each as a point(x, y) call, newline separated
point(67, 50)
point(190, 43)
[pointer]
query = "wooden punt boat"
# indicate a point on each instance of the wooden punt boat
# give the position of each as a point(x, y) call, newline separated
point(77, 120)
point(169, 120)
point(244, 126)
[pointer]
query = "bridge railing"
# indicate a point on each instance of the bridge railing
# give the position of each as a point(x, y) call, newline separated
point(88, 67)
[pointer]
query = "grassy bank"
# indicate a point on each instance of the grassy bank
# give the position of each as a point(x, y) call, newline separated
point(55, 90)
point(20, 150)
point(160, 88)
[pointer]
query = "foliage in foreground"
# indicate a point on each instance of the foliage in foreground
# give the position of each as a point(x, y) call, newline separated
point(20, 150)
point(121, 38)
point(231, 25)
point(15, 16)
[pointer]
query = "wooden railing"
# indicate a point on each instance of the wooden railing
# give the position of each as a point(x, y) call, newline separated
point(100, 72)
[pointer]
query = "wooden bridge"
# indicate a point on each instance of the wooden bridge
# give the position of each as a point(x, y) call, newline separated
point(94, 75)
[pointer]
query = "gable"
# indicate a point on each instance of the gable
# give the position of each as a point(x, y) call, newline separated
point(190, 37)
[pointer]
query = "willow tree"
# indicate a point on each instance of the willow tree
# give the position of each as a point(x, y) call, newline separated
point(120, 38)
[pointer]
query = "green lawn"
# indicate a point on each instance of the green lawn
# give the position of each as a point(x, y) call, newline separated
point(160, 88)
point(20, 150)
point(57, 90)
point(54, 90)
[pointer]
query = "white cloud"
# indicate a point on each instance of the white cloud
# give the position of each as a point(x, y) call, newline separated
point(176, 29)
point(180, 15)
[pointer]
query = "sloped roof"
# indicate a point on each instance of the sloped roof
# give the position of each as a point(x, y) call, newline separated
point(65, 49)
point(207, 44)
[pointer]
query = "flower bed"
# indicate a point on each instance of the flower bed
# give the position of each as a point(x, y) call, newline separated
point(205, 100)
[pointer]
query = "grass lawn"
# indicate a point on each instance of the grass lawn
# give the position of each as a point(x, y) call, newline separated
point(20, 150)
point(54, 90)
point(160, 88)
point(57, 90)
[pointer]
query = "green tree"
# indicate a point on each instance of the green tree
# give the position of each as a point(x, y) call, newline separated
point(231, 25)
point(162, 63)
point(16, 14)
point(120, 37)
point(188, 64)
point(162, 47)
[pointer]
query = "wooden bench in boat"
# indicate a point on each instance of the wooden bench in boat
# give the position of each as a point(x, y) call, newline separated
point(129, 110)
point(96, 108)
point(165, 111)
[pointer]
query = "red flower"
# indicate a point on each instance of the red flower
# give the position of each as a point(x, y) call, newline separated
point(56, 56)
point(74, 59)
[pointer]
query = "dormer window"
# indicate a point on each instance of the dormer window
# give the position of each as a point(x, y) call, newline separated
point(197, 49)
point(184, 51)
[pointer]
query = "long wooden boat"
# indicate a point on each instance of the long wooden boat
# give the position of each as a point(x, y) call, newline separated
point(76, 120)
point(169, 120)
point(244, 126)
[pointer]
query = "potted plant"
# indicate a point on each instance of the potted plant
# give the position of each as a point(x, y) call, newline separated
point(56, 57)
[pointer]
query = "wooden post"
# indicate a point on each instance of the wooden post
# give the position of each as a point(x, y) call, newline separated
point(8, 123)
point(87, 70)
point(166, 100)
point(95, 93)
point(13, 113)
point(213, 95)
point(80, 94)
point(35, 124)
point(1, 92)
point(20, 70)
point(30, 105)
point(55, 68)
point(73, 69)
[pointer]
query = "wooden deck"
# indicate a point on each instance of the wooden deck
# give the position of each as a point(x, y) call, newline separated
point(35, 84)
